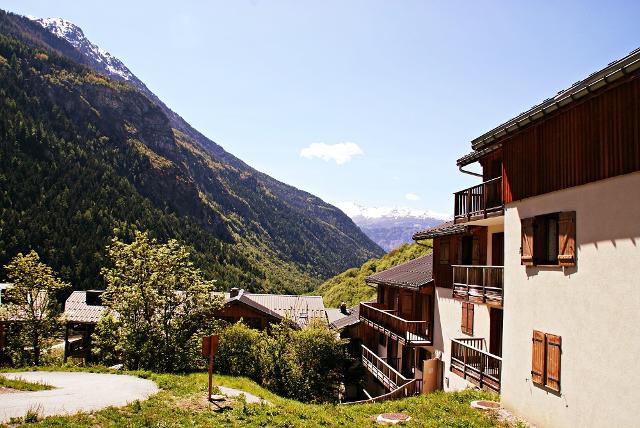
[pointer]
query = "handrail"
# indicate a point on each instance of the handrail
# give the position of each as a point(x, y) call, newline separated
point(405, 390)
point(484, 182)
point(461, 342)
point(474, 364)
point(407, 330)
point(481, 199)
point(370, 353)
point(478, 284)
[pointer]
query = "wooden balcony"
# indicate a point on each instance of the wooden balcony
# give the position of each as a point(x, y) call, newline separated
point(386, 321)
point(470, 361)
point(478, 202)
point(387, 375)
point(478, 284)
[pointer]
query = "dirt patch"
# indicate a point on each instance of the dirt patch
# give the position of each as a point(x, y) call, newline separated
point(199, 403)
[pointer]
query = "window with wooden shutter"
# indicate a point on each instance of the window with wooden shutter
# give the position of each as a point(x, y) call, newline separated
point(553, 362)
point(567, 238)
point(537, 357)
point(467, 319)
point(545, 360)
point(526, 249)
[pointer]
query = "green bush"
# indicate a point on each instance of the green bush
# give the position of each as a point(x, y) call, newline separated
point(308, 365)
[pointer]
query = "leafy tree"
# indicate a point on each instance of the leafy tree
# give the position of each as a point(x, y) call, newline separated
point(32, 303)
point(161, 305)
point(239, 351)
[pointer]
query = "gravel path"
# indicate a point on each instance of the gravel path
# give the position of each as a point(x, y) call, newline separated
point(74, 392)
point(251, 399)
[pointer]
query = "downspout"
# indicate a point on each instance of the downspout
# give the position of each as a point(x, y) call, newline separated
point(469, 172)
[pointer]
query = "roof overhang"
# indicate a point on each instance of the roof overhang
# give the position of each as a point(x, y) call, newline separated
point(595, 81)
point(451, 229)
point(399, 284)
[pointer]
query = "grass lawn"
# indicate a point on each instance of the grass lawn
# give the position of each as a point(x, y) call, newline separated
point(22, 385)
point(182, 402)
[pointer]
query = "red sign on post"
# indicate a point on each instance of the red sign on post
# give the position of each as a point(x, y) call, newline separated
point(210, 347)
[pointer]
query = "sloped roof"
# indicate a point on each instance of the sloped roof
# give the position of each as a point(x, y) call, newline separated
point(609, 74)
point(444, 229)
point(77, 310)
point(347, 320)
point(413, 274)
point(299, 309)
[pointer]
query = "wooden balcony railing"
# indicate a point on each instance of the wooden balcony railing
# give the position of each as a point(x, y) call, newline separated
point(479, 200)
point(413, 387)
point(386, 321)
point(478, 284)
point(387, 375)
point(471, 362)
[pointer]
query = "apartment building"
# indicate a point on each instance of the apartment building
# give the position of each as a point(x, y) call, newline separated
point(536, 285)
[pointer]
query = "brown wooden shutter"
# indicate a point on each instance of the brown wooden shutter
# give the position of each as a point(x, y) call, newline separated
point(537, 357)
point(567, 238)
point(467, 319)
point(553, 362)
point(526, 249)
point(475, 250)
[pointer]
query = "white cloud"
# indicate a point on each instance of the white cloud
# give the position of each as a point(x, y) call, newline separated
point(412, 197)
point(341, 153)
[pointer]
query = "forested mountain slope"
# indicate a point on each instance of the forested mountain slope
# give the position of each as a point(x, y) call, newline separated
point(83, 156)
point(350, 287)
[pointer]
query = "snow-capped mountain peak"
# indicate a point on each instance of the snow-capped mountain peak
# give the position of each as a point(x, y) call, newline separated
point(73, 34)
point(355, 210)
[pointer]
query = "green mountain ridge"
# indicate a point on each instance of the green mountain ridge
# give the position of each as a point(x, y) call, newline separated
point(350, 286)
point(82, 155)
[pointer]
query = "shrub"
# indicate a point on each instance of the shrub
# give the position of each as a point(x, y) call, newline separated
point(239, 351)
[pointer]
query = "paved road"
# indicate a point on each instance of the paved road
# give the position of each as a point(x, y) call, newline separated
point(74, 392)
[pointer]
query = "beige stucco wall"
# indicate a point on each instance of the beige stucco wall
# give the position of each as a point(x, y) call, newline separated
point(594, 307)
point(447, 319)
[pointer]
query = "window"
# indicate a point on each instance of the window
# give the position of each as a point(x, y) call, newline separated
point(467, 318)
point(549, 239)
point(545, 360)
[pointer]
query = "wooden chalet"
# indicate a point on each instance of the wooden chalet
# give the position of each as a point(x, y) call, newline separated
point(397, 328)
point(261, 310)
point(82, 311)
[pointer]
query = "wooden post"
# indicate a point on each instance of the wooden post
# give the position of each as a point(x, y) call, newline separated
point(209, 347)
point(66, 342)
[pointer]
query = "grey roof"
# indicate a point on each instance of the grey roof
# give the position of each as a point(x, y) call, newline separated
point(299, 309)
point(444, 229)
point(348, 320)
point(413, 274)
point(77, 310)
point(612, 72)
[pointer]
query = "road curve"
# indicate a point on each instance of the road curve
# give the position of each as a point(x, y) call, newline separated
point(74, 392)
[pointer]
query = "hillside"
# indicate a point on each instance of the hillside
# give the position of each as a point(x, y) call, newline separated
point(84, 156)
point(349, 286)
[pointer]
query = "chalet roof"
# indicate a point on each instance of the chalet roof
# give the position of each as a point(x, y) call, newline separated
point(344, 321)
point(609, 74)
point(299, 309)
point(77, 310)
point(444, 229)
point(413, 274)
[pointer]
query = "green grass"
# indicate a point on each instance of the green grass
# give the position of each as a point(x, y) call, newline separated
point(182, 403)
point(22, 385)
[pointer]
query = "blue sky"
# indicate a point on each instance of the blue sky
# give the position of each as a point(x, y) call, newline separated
point(366, 102)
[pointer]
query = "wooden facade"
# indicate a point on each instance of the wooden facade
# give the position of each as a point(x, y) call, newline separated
point(236, 311)
point(593, 139)
point(468, 248)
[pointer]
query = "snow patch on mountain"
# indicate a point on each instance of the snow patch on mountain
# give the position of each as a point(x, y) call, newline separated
point(73, 34)
point(354, 210)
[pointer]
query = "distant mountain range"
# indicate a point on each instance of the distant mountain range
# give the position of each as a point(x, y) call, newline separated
point(392, 227)
point(88, 151)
